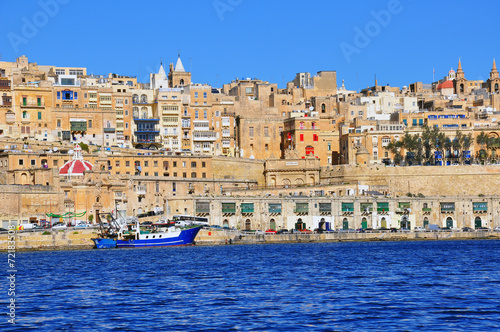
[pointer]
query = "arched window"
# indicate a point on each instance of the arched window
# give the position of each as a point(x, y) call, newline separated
point(462, 88)
point(309, 150)
point(425, 205)
point(323, 108)
point(181, 82)
point(225, 223)
point(193, 174)
point(496, 87)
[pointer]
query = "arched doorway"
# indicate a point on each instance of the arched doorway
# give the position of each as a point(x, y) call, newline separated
point(272, 224)
point(383, 223)
point(449, 222)
point(225, 223)
point(322, 224)
point(478, 223)
point(248, 225)
point(345, 224)
point(426, 222)
point(299, 225)
point(364, 223)
point(405, 223)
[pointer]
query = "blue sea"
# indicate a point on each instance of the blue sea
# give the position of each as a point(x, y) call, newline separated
point(382, 286)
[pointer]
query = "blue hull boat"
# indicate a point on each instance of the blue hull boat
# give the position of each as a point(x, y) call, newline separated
point(172, 238)
point(103, 243)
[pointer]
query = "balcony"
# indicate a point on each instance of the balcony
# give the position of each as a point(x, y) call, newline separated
point(301, 208)
point(247, 208)
point(141, 190)
point(109, 130)
point(149, 140)
point(205, 136)
point(10, 117)
point(6, 101)
point(147, 130)
point(325, 208)
point(33, 104)
point(228, 208)
point(274, 209)
point(142, 102)
point(202, 207)
point(78, 125)
point(25, 119)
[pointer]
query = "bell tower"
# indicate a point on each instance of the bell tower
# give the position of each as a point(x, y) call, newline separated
point(460, 81)
point(494, 80)
point(178, 76)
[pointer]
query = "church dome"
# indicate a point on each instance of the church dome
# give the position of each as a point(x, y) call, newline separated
point(445, 85)
point(77, 165)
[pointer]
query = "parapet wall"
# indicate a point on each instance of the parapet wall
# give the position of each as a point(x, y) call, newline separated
point(428, 180)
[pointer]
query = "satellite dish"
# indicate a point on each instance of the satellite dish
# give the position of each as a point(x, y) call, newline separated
point(311, 108)
point(7, 147)
point(55, 149)
point(71, 152)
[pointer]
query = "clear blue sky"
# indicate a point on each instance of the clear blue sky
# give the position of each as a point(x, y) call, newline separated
point(220, 40)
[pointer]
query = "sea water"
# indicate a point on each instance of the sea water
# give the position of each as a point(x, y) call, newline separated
point(412, 286)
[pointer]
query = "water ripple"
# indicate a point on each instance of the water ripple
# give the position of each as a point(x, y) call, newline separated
point(409, 286)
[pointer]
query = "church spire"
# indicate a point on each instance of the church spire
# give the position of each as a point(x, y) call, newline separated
point(178, 66)
point(494, 71)
point(460, 72)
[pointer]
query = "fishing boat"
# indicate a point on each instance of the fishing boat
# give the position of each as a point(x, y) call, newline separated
point(164, 233)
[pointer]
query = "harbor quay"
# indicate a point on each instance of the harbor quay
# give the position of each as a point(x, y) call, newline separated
point(77, 239)
point(300, 212)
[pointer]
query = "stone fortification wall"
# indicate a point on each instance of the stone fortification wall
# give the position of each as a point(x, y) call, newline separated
point(238, 168)
point(428, 180)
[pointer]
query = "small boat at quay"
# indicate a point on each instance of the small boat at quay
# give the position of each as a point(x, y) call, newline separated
point(123, 235)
